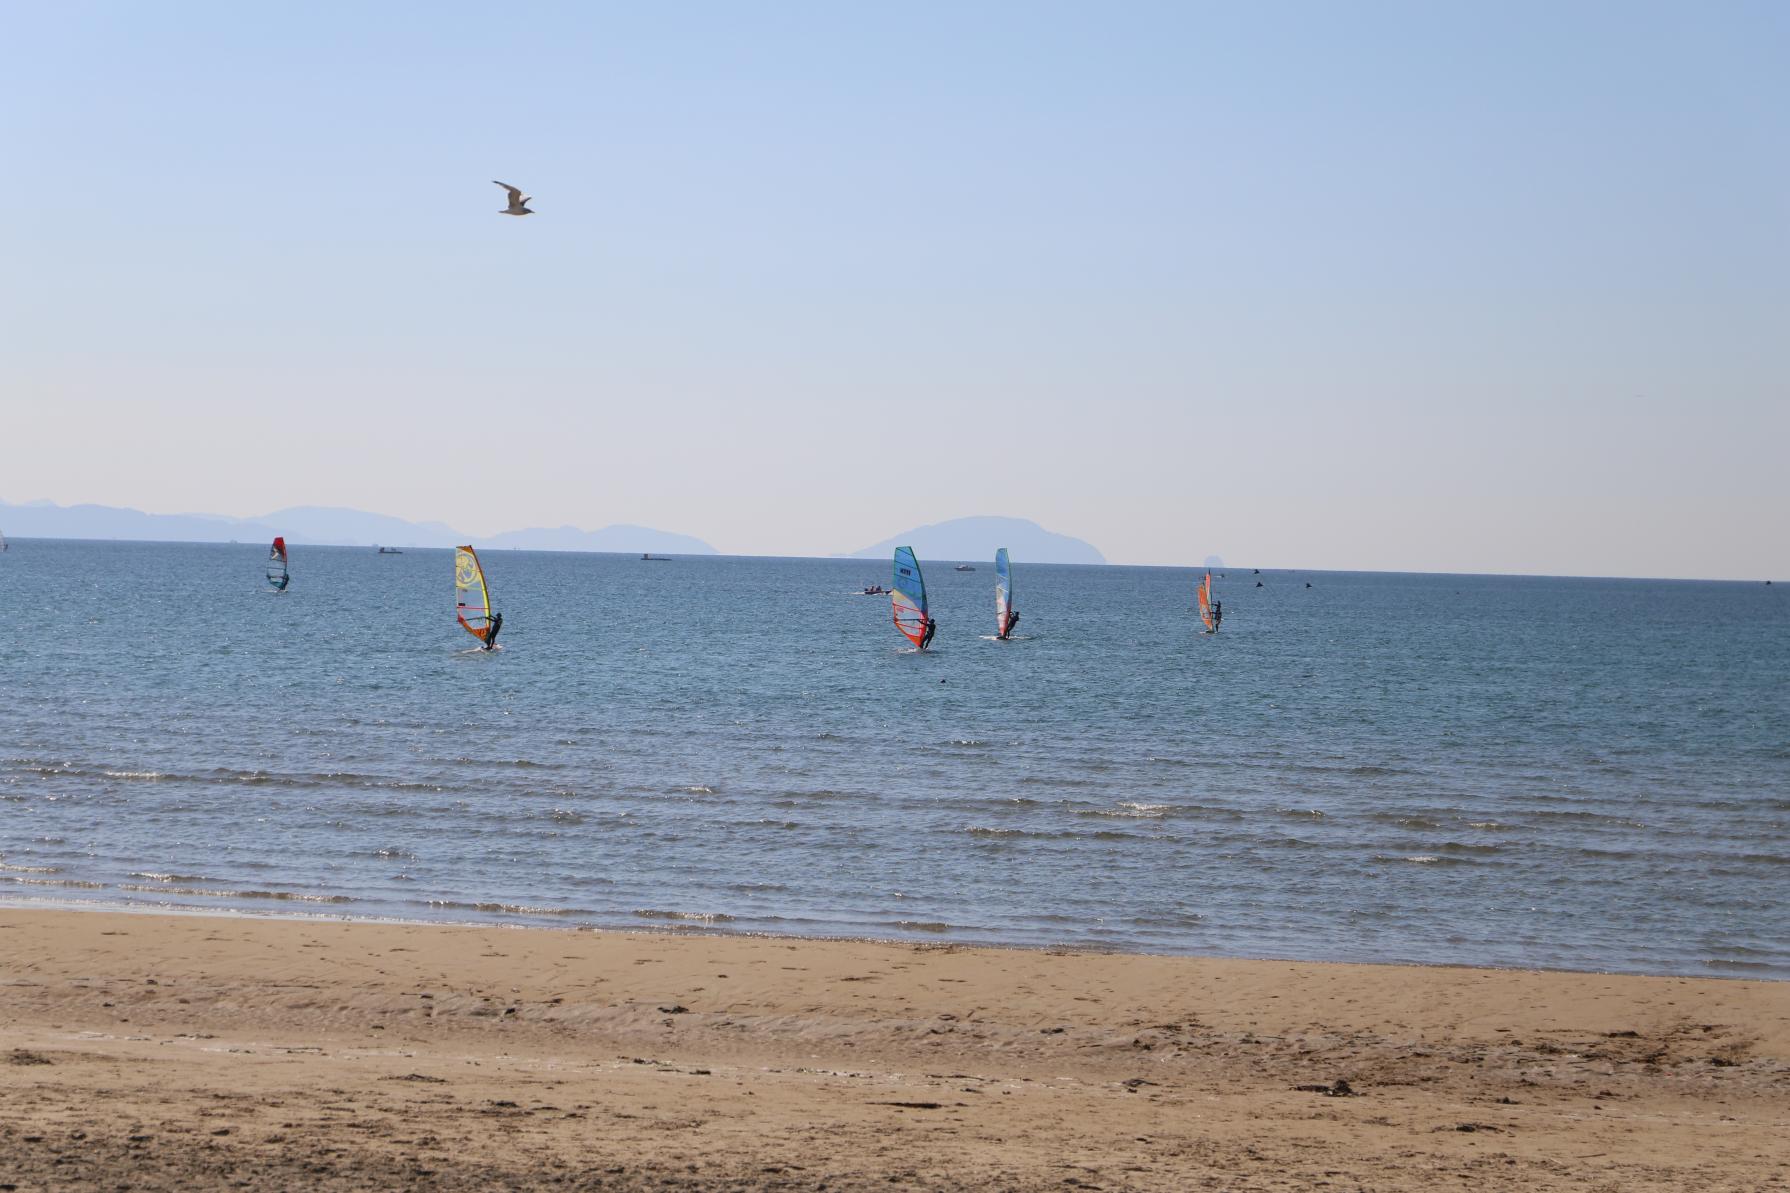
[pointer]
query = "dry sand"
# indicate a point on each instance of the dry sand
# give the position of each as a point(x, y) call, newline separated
point(184, 1052)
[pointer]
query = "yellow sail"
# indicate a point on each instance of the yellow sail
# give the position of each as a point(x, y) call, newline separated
point(472, 600)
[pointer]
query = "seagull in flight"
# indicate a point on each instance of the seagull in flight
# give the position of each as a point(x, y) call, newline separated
point(519, 204)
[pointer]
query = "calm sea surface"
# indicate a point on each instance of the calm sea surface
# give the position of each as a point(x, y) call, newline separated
point(1487, 770)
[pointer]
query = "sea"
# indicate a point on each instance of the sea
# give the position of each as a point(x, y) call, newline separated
point(1483, 770)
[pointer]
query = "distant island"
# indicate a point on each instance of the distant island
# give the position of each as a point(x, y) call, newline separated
point(977, 538)
point(321, 525)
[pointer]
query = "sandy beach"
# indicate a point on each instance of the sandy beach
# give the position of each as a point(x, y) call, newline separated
point(183, 1052)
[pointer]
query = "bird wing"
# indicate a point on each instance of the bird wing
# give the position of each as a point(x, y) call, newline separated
point(515, 192)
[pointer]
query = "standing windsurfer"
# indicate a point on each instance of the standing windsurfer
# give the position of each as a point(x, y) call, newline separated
point(491, 631)
point(1012, 620)
point(1217, 615)
point(931, 629)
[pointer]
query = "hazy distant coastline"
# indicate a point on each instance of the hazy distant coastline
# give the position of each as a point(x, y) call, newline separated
point(958, 539)
point(977, 538)
point(321, 525)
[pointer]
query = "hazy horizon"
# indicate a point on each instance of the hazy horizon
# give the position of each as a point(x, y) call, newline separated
point(1392, 288)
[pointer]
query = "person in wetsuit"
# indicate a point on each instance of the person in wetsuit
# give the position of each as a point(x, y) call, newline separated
point(1012, 621)
point(491, 631)
point(1217, 614)
point(931, 629)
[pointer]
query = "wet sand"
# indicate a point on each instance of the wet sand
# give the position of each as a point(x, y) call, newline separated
point(185, 1052)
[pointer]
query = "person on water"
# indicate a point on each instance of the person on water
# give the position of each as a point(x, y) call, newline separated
point(491, 631)
point(1012, 620)
point(1217, 614)
point(932, 628)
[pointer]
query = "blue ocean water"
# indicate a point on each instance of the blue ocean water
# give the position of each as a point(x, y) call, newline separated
point(1483, 770)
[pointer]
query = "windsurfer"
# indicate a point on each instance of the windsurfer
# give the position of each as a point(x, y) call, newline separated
point(1217, 614)
point(931, 629)
point(1012, 620)
point(491, 631)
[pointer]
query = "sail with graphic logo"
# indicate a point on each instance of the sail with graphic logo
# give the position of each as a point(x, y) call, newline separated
point(472, 599)
point(908, 595)
point(1003, 593)
point(278, 575)
point(1205, 594)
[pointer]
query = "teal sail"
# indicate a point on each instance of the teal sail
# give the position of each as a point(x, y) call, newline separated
point(908, 594)
point(1003, 593)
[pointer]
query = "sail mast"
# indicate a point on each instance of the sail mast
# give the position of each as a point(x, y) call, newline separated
point(277, 574)
point(907, 594)
point(472, 599)
point(1003, 593)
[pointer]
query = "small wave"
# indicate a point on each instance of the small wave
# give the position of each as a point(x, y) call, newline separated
point(1590, 817)
point(201, 892)
point(506, 908)
point(696, 917)
point(970, 743)
point(1423, 859)
point(8, 868)
point(134, 774)
point(1404, 820)
point(1741, 966)
point(566, 816)
point(1128, 810)
point(917, 925)
point(72, 883)
point(518, 909)
point(1181, 920)
point(153, 876)
point(700, 789)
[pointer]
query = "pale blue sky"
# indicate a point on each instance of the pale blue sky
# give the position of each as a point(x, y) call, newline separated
point(1430, 286)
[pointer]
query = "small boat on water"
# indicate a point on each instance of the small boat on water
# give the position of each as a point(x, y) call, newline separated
point(646, 558)
point(963, 567)
point(873, 590)
point(389, 551)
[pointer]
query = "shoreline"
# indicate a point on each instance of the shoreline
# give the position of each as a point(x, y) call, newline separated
point(694, 927)
point(193, 1050)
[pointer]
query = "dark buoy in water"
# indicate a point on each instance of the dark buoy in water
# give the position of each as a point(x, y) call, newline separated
point(1257, 572)
point(1258, 583)
point(1308, 583)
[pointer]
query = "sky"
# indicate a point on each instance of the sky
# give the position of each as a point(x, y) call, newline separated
point(1414, 286)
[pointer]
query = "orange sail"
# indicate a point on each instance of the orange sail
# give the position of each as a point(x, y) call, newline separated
point(1206, 604)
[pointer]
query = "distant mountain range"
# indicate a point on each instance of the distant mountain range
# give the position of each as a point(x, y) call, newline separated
point(313, 524)
point(977, 538)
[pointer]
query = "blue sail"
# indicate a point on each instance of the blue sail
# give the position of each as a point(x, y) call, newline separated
point(908, 595)
point(1003, 593)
